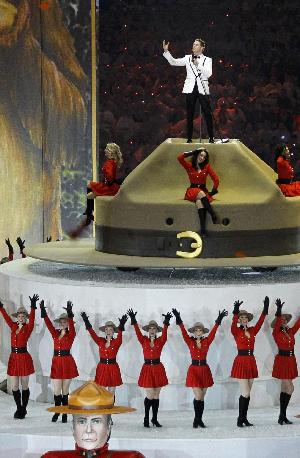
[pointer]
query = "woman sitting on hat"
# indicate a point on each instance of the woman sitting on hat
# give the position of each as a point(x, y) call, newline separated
point(153, 375)
point(63, 368)
point(199, 376)
point(285, 364)
point(285, 171)
point(108, 371)
point(244, 366)
point(20, 364)
point(198, 169)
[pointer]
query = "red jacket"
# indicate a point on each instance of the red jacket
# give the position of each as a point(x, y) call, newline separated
point(112, 350)
point(198, 176)
point(66, 342)
point(109, 170)
point(198, 353)
point(243, 342)
point(285, 340)
point(284, 169)
point(103, 453)
point(19, 339)
point(159, 342)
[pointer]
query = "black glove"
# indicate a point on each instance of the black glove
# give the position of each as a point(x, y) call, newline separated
point(69, 309)
point(221, 316)
point(167, 316)
point(9, 245)
point(177, 316)
point(122, 322)
point(266, 306)
point(1, 305)
point(86, 320)
point(33, 301)
point(279, 305)
point(213, 192)
point(49, 239)
point(21, 243)
point(43, 309)
point(236, 307)
point(132, 316)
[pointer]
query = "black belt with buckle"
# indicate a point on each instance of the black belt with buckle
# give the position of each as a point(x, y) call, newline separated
point(199, 362)
point(152, 361)
point(200, 186)
point(284, 181)
point(19, 349)
point(108, 360)
point(62, 353)
point(286, 352)
point(245, 352)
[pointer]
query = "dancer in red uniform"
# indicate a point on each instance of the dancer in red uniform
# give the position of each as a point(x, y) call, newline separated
point(285, 171)
point(244, 366)
point(20, 364)
point(285, 364)
point(153, 375)
point(198, 169)
point(10, 257)
point(63, 368)
point(199, 376)
point(109, 186)
point(108, 372)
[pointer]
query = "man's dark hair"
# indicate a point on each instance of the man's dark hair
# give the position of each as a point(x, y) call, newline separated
point(202, 42)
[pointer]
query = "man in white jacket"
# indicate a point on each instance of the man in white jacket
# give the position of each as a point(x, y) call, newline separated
point(198, 70)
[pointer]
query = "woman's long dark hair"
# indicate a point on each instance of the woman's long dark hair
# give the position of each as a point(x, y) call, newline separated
point(279, 150)
point(195, 155)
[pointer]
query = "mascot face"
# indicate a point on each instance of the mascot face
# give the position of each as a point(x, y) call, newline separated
point(91, 431)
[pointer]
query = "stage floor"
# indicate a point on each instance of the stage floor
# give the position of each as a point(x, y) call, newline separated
point(221, 439)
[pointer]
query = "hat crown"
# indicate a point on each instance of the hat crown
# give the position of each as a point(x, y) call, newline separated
point(110, 323)
point(198, 324)
point(91, 396)
point(153, 323)
point(22, 310)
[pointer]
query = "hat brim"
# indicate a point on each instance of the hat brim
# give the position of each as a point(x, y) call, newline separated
point(102, 328)
point(249, 315)
point(146, 328)
point(192, 330)
point(73, 411)
point(287, 316)
point(15, 314)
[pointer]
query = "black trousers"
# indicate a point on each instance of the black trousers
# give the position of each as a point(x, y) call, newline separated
point(191, 100)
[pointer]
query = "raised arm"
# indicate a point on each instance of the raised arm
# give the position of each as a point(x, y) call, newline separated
point(182, 160)
point(33, 307)
point(10, 250)
point(235, 319)
point(218, 322)
point(89, 328)
point(69, 310)
point(172, 61)
point(166, 324)
point(132, 316)
point(296, 326)
point(48, 322)
point(278, 321)
point(6, 316)
point(263, 315)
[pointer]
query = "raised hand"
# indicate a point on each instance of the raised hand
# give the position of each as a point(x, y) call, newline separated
point(122, 322)
point(69, 309)
point(9, 245)
point(165, 45)
point(177, 316)
point(21, 243)
point(132, 316)
point(167, 316)
point(43, 309)
point(1, 305)
point(33, 301)
point(279, 305)
point(86, 320)
point(221, 316)
point(236, 307)
point(266, 305)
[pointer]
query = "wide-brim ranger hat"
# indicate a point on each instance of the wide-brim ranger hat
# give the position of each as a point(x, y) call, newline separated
point(62, 316)
point(109, 323)
point(20, 310)
point(91, 399)
point(248, 314)
point(200, 325)
point(152, 323)
point(287, 316)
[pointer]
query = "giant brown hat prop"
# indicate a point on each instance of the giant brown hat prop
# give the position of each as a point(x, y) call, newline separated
point(91, 399)
point(199, 325)
point(287, 316)
point(20, 310)
point(248, 314)
point(109, 324)
point(152, 323)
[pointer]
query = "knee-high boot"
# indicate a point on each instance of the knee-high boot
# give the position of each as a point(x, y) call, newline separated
point(25, 398)
point(57, 402)
point(64, 401)
point(147, 404)
point(17, 399)
point(202, 218)
point(246, 422)
point(208, 207)
point(284, 402)
point(155, 406)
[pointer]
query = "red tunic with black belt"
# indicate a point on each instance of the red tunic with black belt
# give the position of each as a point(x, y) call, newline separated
point(63, 366)
point(245, 366)
point(103, 452)
point(285, 367)
point(285, 171)
point(108, 187)
point(199, 376)
point(198, 177)
point(19, 364)
point(107, 373)
point(152, 375)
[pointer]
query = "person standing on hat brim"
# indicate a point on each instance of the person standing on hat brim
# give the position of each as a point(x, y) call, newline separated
point(20, 364)
point(63, 368)
point(285, 364)
point(199, 376)
point(153, 375)
point(92, 407)
point(108, 371)
point(244, 367)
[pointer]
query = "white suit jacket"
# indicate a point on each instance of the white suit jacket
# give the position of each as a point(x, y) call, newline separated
point(204, 69)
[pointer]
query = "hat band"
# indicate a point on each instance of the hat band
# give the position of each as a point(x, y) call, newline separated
point(100, 406)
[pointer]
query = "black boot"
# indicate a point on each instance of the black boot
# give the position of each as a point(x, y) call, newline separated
point(284, 401)
point(198, 408)
point(202, 218)
point(25, 398)
point(57, 402)
point(155, 406)
point(17, 398)
point(64, 401)
point(245, 421)
point(208, 207)
point(147, 404)
point(239, 422)
point(89, 211)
